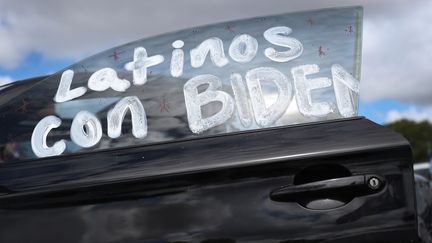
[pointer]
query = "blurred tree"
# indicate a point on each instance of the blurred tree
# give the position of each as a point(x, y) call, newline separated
point(419, 134)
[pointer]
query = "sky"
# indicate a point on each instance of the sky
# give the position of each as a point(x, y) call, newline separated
point(40, 37)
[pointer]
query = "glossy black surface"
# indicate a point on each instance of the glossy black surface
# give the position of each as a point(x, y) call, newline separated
point(215, 189)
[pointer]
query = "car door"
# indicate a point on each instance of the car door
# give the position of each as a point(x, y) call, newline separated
point(175, 139)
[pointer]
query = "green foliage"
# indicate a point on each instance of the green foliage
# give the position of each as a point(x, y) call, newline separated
point(419, 134)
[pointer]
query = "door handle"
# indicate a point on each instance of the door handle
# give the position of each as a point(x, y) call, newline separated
point(356, 185)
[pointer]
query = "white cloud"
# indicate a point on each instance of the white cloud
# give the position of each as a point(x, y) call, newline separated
point(12, 52)
point(412, 113)
point(397, 44)
point(5, 80)
point(397, 56)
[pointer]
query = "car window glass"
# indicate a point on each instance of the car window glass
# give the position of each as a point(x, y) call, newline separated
point(217, 79)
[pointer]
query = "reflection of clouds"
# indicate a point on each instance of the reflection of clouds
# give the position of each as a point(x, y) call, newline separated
point(167, 218)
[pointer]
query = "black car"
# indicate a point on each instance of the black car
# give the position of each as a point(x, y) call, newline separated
point(176, 139)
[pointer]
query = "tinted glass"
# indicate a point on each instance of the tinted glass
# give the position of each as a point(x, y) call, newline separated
point(235, 76)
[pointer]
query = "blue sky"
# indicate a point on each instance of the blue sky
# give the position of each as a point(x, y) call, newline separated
point(397, 46)
point(378, 110)
point(35, 65)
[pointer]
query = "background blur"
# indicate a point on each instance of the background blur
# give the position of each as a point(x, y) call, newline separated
point(41, 37)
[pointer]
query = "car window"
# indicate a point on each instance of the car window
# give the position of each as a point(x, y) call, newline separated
point(271, 71)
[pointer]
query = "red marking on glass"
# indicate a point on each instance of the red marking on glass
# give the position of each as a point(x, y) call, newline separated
point(164, 106)
point(229, 28)
point(24, 106)
point(321, 51)
point(116, 55)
